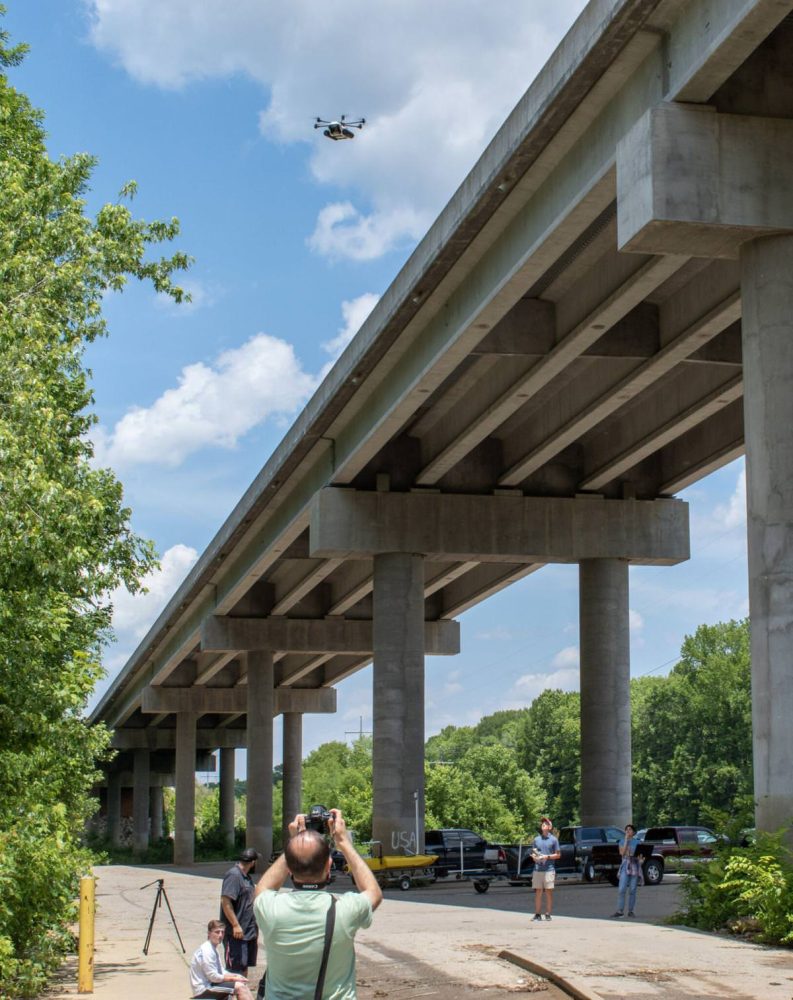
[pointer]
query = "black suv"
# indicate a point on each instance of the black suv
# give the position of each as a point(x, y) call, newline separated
point(456, 849)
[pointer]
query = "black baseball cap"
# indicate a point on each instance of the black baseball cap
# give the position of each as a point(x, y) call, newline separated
point(249, 855)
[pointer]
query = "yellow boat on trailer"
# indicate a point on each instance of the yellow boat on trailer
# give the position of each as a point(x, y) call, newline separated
point(402, 870)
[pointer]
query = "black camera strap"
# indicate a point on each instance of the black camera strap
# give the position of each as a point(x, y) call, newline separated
point(330, 923)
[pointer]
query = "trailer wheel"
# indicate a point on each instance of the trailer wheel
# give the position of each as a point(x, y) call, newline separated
point(404, 883)
point(481, 885)
point(588, 871)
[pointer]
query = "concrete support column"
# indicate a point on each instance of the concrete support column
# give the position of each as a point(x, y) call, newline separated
point(227, 776)
point(114, 808)
point(398, 698)
point(184, 823)
point(293, 767)
point(767, 323)
point(156, 812)
point(141, 778)
point(260, 752)
point(606, 795)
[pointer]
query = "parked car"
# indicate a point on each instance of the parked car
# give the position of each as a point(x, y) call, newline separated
point(682, 846)
point(606, 860)
point(662, 849)
point(459, 851)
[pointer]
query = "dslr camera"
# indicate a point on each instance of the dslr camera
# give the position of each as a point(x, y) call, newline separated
point(317, 819)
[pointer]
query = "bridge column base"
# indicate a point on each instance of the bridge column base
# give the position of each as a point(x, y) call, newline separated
point(227, 775)
point(114, 808)
point(293, 768)
point(184, 824)
point(606, 789)
point(398, 698)
point(141, 782)
point(261, 703)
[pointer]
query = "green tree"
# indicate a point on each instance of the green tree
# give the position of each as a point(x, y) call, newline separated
point(548, 744)
point(65, 539)
point(692, 732)
point(337, 775)
point(487, 791)
point(450, 744)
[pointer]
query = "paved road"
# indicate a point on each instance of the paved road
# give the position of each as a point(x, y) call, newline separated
point(443, 941)
point(572, 898)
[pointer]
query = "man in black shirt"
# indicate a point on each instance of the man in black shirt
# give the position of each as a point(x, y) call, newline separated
point(236, 906)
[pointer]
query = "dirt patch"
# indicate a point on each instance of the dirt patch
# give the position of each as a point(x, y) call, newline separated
point(406, 977)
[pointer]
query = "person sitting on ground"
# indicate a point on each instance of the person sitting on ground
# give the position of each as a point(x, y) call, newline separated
point(297, 927)
point(208, 975)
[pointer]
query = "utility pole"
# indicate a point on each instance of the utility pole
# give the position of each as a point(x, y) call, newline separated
point(360, 732)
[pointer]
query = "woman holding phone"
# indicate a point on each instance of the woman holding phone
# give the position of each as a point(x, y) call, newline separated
point(630, 873)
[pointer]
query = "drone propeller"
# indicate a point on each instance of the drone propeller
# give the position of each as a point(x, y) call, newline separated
point(358, 123)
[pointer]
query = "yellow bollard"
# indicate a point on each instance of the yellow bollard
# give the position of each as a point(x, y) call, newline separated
point(85, 960)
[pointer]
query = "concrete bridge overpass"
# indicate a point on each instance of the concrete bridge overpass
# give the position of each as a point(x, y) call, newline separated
point(601, 315)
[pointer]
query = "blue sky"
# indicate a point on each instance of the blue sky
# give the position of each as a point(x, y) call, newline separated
point(209, 107)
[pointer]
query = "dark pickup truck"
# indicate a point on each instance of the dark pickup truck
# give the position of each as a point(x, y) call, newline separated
point(460, 852)
point(575, 847)
point(662, 849)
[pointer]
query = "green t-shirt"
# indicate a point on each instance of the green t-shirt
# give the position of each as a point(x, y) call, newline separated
point(293, 930)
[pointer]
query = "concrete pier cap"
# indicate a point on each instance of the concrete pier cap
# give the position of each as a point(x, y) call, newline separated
point(499, 528)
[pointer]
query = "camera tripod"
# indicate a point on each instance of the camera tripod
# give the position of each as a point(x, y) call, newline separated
point(161, 894)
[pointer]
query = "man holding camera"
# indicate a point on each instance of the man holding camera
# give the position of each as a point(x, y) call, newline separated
point(308, 933)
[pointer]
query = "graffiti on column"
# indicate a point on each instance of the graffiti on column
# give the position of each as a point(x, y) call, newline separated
point(404, 840)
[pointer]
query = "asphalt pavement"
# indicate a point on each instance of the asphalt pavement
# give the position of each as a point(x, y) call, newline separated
point(445, 940)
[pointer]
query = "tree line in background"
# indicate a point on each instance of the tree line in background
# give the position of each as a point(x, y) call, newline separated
point(65, 539)
point(692, 755)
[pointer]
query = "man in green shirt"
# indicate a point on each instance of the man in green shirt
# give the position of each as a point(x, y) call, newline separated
point(293, 923)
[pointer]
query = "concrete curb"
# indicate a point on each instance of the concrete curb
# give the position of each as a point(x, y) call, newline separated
point(572, 987)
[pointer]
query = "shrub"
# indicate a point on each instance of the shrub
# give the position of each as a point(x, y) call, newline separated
point(744, 890)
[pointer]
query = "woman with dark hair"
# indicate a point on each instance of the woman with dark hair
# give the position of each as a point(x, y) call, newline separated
point(630, 874)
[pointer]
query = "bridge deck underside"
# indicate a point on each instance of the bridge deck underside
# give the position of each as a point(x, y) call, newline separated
point(611, 373)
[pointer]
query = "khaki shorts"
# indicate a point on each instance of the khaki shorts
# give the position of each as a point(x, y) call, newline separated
point(543, 880)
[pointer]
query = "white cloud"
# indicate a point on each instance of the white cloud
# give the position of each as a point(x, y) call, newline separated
point(566, 658)
point(718, 525)
point(354, 313)
point(529, 686)
point(211, 405)
point(202, 296)
point(343, 232)
point(685, 603)
point(133, 614)
point(432, 97)
point(733, 513)
point(498, 634)
point(635, 621)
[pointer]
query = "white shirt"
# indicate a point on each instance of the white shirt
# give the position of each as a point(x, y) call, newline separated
point(207, 969)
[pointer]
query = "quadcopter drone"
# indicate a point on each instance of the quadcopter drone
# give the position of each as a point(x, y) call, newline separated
point(340, 129)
